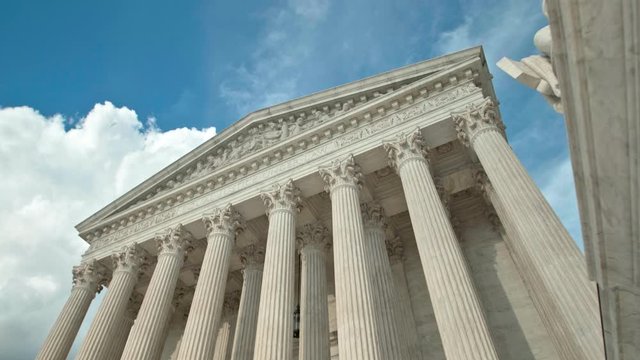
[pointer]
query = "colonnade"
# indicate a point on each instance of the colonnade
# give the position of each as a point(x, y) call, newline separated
point(374, 318)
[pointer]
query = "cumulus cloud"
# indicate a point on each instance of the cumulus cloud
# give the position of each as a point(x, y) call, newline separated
point(52, 178)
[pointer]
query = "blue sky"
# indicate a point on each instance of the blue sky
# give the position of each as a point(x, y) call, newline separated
point(96, 96)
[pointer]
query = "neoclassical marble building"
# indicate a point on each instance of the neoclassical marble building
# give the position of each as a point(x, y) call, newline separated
point(383, 219)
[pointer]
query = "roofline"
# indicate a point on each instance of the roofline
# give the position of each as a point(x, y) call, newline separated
point(417, 69)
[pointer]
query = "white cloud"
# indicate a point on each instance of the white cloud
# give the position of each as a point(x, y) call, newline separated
point(269, 76)
point(52, 178)
point(501, 27)
point(506, 28)
point(312, 10)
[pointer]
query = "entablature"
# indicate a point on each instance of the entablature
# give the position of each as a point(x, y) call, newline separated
point(359, 123)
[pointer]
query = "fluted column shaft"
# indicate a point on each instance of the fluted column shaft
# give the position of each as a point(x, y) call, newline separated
point(314, 307)
point(385, 295)
point(61, 336)
point(457, 308)
point(222, 340)
point(358, 335)
point(274, 334)
point(147, 335)
point(120, 338)
point(568, 301)
point(200, 332)
point(244, 339)
point(103, 331)
point(408, 324)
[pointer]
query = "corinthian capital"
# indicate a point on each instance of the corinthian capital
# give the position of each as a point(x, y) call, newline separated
point(477, 119)
point(373, 215)
point(406, 147)
point(130, 259)
point(313, 235)
point(252, 256)
point(224, 220)
point(395, 249)
point(341, 173)
point(88, 276)
point(282, 197)
point(174, 240)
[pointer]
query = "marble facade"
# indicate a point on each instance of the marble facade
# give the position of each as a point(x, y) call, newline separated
point(589, 70)
point(390, 210)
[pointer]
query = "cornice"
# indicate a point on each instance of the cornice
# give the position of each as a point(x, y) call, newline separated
point(435, 88)
point(327, 98)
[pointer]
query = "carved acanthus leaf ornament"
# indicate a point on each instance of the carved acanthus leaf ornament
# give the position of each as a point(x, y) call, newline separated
point(223, 182)
point(174, 240)
point(87, 275)
point(282, 197)
point(314, 235)
point(341, 173)
point(395, 249)
point(257, 137)
point(373, 215)
point(131, 259)
point(477, 119)
point(252, 256)
point(406, 147)
point(226, 220)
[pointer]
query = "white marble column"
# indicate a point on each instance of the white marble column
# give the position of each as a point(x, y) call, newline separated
point(244, 340)
point(224, 340)
point(124, 327)
point(87, 280)
point(274, 335)
point(567, 301)
point(204, 317)
point(358, 334)
point(408, 330)
point(111, 313)
point(385, 295)
point(313, 242)
point(456, 305)
point(147, 335)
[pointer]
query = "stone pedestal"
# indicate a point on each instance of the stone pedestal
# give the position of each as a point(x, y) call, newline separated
point(274, 335)
point(110, 318)
point(566, 300)
point(313, 242)
point(87, 280)
point(385, 295)
point(358, 335)
point(244, 340)
point(204, 317)
point(457, 308)
point(147, 335)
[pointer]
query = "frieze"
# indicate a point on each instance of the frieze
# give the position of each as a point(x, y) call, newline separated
point(314, 149)
point(256, 138)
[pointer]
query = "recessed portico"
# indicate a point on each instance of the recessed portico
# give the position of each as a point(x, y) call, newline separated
point(230, 211)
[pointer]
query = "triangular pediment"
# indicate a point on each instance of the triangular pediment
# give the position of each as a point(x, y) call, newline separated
point(265, 128)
